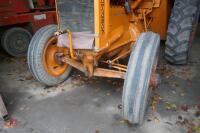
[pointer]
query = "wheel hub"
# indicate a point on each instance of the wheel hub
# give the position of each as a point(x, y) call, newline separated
point(51, 61)
point(20, 44)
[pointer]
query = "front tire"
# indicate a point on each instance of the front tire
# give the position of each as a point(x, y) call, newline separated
point(141, 65)
point(41, 57)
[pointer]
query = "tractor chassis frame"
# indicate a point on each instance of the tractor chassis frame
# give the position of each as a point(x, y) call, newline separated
point(103, 72)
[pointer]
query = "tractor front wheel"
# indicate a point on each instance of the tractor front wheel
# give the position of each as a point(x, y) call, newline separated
point(141, 68)
point(42, 57)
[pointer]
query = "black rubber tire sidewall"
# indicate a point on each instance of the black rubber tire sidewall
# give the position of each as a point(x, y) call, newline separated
point(8, 36)
point(178, 43)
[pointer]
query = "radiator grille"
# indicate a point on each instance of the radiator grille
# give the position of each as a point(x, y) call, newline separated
point(76, 15)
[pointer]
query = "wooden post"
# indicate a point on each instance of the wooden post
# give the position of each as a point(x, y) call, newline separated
point(3, 110)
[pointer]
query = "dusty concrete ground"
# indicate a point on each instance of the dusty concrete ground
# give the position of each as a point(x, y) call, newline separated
point(80, 105)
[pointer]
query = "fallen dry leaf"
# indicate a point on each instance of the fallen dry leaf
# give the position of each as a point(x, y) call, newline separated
point(43, 94)
point(108, 94)
point(191, 127)
point(155, 100)
point(21, 80)
point(118, 89)
point(182, 94)
point(170, 106)
point(29, 77)
point(97, 131)
point(174, 92)
point(122, 121)
point(185, 107)
point(27, 108)
point(197, 114)
point(109, 81)
point(189, 82)
point(10, 123)
point(21, 109)
point(165, 70)
point(197, 129)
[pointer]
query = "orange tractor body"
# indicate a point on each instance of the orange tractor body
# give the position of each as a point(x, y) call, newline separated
point(115, 31)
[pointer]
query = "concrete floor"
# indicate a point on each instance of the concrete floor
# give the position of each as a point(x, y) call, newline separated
point(92, 106)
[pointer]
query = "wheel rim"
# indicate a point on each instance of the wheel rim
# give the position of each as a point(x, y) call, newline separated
point(15, 41)
point(20, 44)
point(51, 64)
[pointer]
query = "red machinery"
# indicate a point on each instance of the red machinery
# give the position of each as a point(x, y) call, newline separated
point(19, 19)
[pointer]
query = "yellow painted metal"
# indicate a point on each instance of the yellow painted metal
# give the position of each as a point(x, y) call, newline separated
point(102, 23)
point(116, 30)
point(97, 23)
point(69, 36)
point(160, 16)
point(57, 14)
point(114, 27)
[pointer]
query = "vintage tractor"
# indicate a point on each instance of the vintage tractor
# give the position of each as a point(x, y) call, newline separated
point(95, 36)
